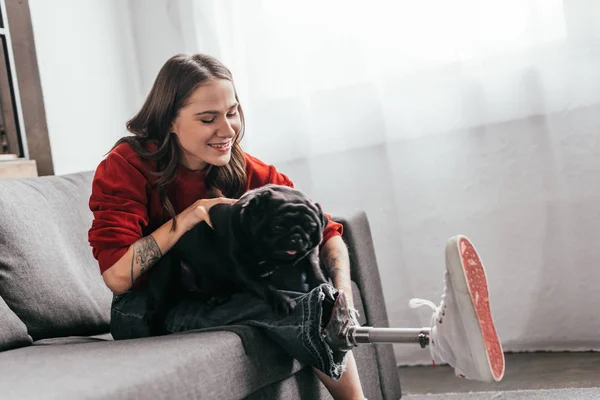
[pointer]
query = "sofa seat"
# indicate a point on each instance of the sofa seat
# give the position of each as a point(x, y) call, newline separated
point(203, 364)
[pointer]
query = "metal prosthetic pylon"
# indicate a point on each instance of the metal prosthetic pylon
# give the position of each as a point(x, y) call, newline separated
point(367, 334)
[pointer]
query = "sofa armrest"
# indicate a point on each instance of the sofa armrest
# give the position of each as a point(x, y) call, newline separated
point(363, 266)
point(365, 274)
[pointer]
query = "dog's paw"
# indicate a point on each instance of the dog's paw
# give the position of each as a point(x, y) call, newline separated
point(215, 301)
point(283, 305)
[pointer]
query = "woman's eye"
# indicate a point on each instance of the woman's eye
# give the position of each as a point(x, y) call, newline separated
point(232, 114)
point(207, 121)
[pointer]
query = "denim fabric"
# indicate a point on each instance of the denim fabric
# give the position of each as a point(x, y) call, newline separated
point(299, 333)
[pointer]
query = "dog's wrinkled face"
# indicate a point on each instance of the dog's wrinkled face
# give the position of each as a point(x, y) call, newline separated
point(281, 222)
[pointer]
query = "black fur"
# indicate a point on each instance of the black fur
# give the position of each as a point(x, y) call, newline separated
point(251, 241)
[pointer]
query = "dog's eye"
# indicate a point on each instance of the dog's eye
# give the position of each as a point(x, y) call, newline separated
point(278, 228)
point(310, 225)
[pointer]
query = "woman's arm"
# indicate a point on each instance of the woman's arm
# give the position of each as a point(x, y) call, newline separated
point(334, 256)
point(140, 256)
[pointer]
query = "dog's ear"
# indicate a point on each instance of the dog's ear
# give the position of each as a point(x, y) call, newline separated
point(260, 200)
point(220, 218)
point(256, 204)
point(322, 216)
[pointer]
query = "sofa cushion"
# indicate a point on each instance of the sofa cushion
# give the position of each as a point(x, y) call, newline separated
point(13, 332)
point(48, 275)
point(191, 365)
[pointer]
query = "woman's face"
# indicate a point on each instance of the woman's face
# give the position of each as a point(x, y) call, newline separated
point(207, 126)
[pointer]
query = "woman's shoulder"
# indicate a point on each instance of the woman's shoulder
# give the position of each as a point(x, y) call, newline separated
point(123, 162)
point(125, 154)
point(261, 173)
point(255, 166)
point(254, 162)
point(126, 150)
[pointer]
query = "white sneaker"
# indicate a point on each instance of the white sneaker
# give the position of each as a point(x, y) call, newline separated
point(462, 330)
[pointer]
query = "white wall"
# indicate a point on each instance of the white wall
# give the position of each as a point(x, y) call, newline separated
point(88, 76)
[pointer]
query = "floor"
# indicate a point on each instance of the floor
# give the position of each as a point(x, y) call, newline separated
point(523, 371)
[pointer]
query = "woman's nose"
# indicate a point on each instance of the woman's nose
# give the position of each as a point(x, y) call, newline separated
point(226, 130)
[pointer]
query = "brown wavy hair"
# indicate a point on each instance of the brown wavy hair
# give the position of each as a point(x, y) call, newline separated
point(176, 81)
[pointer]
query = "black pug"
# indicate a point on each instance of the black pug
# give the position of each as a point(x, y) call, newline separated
point(273, 231)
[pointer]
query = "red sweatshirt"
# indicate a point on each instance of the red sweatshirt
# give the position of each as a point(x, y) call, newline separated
point(126, 207)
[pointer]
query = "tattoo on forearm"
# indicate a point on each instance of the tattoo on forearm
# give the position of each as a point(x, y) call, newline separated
point(145, 254)
point(332, 259)
point(337, 264)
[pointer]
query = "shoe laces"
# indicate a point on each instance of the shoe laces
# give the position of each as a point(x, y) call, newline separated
point(437, 317)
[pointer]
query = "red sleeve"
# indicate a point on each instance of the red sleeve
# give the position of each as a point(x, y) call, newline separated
point(119, 204)
point(260, 174)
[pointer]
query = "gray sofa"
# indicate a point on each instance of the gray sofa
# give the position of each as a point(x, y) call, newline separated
point(54, 315)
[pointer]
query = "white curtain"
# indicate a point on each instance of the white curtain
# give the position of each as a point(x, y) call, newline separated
point(437, 118)
point(322, 73)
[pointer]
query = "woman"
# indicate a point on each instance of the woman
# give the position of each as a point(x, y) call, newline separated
point(184, 157)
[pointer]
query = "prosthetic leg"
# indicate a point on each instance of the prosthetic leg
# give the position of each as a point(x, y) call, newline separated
point(366, 334)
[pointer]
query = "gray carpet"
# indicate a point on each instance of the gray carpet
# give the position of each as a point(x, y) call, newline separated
point(552, 394)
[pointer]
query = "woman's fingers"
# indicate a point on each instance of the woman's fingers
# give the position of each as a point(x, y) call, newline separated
point(204, 216)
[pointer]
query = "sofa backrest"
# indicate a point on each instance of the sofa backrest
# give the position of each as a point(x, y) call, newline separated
point(13, 332)
point(48, 276)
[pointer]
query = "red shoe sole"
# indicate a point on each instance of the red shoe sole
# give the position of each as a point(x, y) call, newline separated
point(478, 289)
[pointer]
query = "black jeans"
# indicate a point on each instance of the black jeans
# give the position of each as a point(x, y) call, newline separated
point(299, 333)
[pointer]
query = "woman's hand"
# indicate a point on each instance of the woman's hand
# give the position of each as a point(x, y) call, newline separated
point(198, 212)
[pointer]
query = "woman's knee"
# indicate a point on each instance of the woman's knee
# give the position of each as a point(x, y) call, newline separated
point(127, 317)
